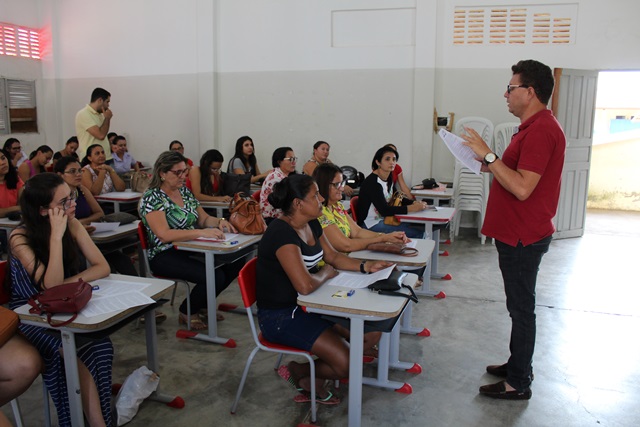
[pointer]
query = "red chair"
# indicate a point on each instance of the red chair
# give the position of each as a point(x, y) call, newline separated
point(247, 283)
point(353, 206)
point(4, 297)
point(144, 244)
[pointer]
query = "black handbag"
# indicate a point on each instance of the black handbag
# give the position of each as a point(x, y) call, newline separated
point(392, 284)
point(233, 183)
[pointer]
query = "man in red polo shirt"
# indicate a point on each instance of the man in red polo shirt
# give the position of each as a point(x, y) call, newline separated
point(522, 203)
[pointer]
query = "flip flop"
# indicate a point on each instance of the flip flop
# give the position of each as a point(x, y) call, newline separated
point(306, 397)
point(285, 374)
point(196, 324)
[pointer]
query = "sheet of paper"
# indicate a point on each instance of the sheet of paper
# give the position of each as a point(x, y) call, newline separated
point(102, 304)
point(411, 244)
point(227, 238)
point(461, 152)
point(106, 287)
point(357, 280)
point(102, 227)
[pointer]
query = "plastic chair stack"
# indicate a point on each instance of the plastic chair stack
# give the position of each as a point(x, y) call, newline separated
point(502, 136)
point(471, 191)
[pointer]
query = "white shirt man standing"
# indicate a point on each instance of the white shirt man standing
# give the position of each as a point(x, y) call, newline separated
point(93, 121)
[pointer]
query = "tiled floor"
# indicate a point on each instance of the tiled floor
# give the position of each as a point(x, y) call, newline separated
point(587, 359)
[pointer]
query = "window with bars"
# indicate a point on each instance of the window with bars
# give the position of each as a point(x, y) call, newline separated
point(18, 112)
point(19, 41)
point(552, 24)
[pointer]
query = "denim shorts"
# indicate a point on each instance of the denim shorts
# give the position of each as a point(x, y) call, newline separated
point(292, 326)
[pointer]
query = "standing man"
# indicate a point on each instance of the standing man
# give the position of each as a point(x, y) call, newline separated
point(93, 121)
point(522, 203)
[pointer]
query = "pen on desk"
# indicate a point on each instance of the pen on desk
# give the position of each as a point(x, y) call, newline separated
point(95, 288)
point(235, 242)
point(351, 292)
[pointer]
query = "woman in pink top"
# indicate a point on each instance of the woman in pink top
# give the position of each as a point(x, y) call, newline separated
point(36, 162)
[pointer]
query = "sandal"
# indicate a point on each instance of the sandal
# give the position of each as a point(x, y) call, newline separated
point(196, 323)
point(306, 397)
point(160, 317)
point(205, 316)
point(285, 374)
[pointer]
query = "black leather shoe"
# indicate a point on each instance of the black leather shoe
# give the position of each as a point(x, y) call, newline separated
point(501, 371)
point(498, 370)
point(499, 391)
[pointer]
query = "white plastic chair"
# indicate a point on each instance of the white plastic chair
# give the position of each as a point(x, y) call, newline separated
point(502, 135)
point(481, 125)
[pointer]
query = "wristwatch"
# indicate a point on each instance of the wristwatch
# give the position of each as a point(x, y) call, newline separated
point(490, 158)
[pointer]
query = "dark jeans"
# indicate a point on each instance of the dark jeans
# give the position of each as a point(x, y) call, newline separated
point(519, 266)
point(190, 267)
point(412, 232)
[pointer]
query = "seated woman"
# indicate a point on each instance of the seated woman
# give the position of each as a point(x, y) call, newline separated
point(206, 181)
point(44, 253)
point(36, 162)
point(341, 230)
point(97, 176)
point(70, 149)
point(171, 214)
point(122, 161)
point(321, 156)
point(398, 177)
point(177, 146)
point(244, 160)
point(284, 163)
point(10, 186)
point(295, 257)
point(88, 210)
point(13, 147)
point(21, 364)
point(375, 193)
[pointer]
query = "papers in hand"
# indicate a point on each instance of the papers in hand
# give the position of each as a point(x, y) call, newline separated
point(461, 152)
point(102, 227)
point(357, 280)
point(227, 237)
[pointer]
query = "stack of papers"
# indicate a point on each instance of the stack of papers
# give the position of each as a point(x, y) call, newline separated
point(115, 295)
point(357, 280)
point(227, 237)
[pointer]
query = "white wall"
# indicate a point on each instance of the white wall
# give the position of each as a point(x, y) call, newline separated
point(358, 73)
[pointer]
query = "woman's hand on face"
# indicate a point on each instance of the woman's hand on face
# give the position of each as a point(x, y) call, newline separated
point(213, 233)
point(378, 265)
point(58, 221)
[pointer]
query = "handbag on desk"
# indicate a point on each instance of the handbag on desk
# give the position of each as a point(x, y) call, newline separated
point(233, 183)
point(392, 248)
point(396, 200)
point(122, 217)
point(66, 298)
point(140, 181)
point(246, 216)
point(392, 285)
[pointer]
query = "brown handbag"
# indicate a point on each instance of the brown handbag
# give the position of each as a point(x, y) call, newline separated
point(66, 298)
point(140, 181)
point(396, 200)
point(246, 216)
point(393, 248)
point(8, 324)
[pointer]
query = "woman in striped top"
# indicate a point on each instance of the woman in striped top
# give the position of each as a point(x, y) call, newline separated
point(44, 253)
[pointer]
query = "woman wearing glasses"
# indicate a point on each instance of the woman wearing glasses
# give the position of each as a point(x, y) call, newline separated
point(283, 161)
point(97, 176)
point(206, 180)
point(171, 213)
point(88, 210)
point(45, 251)
point(341, 230)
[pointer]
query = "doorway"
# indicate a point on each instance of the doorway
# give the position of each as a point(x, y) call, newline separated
point(614, 181)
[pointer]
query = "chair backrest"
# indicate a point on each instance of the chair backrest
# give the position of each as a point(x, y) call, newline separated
point(353, 205)
point(247, 282)
point(502, 136)
point(481, 125)
point(256, 195)
point(142, 236)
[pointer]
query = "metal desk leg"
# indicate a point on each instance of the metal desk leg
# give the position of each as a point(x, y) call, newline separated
point(382, 378)
point(405, 323)
point(73, 379)
point(212, 336)
point(394, 353)
point(434, 258)
point(355, 371)
point(152, 361)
